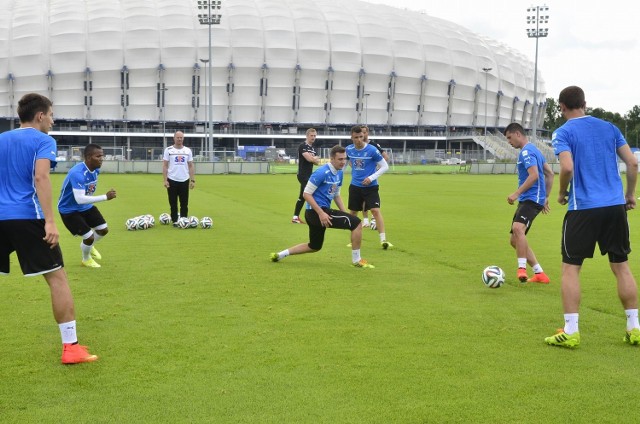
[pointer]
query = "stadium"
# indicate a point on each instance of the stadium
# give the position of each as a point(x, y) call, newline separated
point(135, 71)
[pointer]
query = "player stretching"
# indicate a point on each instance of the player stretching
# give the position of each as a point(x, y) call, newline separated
point(367, 165)
point(323, 188)
point(76, 207)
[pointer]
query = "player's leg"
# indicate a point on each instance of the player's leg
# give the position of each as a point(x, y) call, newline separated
point(299, 203)
point(77, 225)
point(316, 239)
point(183, 195)
point(96, 221)
point(519, 242)
point(172, 193)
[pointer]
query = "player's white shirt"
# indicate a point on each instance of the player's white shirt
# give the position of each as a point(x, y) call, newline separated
point(178, 160)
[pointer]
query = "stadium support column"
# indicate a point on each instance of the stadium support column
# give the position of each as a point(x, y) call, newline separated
point(537, 26)
point(210, 19)
point(486, 90)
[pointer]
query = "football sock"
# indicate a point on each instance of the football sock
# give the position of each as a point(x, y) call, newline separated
point(383, 236)
point(283, 254)
point(68, 332)
point(86, 251)
point(570, 323)
point(365, 222)
point(96, 237)
point(355, 255)
point(537, 269)
point(522, 262)
point(632, 318)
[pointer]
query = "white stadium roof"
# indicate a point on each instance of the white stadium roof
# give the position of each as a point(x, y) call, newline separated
point(274, 61)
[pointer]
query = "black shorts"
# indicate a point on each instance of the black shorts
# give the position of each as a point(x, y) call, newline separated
point(80, 223)
point(607, 226)
point(340, 220)
point(367, 196)
point(526, 212)
point(25, 237)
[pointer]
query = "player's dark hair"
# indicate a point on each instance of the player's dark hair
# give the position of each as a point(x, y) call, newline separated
point(572, 97)
point(357, 129)
point(363, 126)
point(337, 149)
point(514, 127)
point(31, 104)
point(90, 149)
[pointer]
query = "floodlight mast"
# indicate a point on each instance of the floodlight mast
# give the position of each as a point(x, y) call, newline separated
point(210, 19)
point(486, 89)
point(537, 27)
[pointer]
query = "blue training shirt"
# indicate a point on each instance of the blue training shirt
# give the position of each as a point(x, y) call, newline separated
point(363, 163)
point(593, 144)
point(328, 181)
point(530, 156)
point(80, 178)
point(19, 151)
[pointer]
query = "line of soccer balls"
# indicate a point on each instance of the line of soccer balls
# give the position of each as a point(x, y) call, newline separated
point(144, 222)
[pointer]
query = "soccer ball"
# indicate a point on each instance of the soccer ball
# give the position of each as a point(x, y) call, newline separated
point(206, 222)
point(131, 224)
point(183, 222)
point(373, 225)
point(141, 222)
point(493, 277)
point(165, 219)
point(151, 220)
point(193, 221)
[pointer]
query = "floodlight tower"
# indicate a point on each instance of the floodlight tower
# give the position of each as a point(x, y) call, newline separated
point(537, 27)
point(207, 18)
point(486, 89)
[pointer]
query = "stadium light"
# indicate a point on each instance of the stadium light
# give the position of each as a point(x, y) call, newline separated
point(209, 19)
point(537, 27)
point(366, 109)
point(206, 102)
point(486, 89)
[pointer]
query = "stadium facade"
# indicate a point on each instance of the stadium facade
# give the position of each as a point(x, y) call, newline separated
point(131, 65)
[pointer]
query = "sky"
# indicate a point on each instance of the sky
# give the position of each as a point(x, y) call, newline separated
point(592, 44)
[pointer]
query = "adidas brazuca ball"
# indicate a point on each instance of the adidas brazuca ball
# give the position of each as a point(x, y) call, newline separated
point(206, 222)
point(193, 221)
point(493, 277)
point(165, 218)
point(183, 222)
point(131, 224)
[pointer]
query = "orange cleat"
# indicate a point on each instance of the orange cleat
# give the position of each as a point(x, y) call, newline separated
point(76, 354)
point(522, 275)
point(539, 277)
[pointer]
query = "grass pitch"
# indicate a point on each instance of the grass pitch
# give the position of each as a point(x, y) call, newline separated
point(199, 326)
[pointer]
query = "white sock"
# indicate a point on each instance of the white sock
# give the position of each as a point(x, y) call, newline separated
point(68, 332)
point(522, 262)
point(283, 254)
point(537, 269)
point(365, 222)
point(96, 237)
point(632, 319)
point(295, 217)
point(571, 323)
point(355, 255)
point(86, 251)
point(383, 236)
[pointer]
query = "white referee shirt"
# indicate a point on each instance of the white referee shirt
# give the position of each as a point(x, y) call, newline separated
point(178, 160)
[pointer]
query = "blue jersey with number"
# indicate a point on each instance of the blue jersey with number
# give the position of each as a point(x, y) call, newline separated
point(328, 181)
point(364, 163)
point(593, 144)
point(19, 151)
point(530, 156)
point(79, 178)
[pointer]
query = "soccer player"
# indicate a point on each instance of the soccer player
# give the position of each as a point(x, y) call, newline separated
point(179, 176)
point(367, 165)
point(590, 185)
point(535, 178)
point(307, 157)
point(27, 223)
point(76, 204)
point(323, 188)
point(385, 155)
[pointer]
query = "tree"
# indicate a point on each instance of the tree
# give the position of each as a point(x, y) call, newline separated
point(553, 117)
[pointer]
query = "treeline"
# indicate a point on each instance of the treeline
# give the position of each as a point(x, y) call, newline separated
point(629, 123)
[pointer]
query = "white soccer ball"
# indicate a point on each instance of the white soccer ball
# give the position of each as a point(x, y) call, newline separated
point(193, 221)
point(373, 225)
point(164, 218)
point(183, 222)
point(142, 223)
point(206, 222)
point(493, 277)
point(151, 220)
point(131, 224)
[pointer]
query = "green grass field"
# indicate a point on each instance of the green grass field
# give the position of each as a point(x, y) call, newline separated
point(198, 326)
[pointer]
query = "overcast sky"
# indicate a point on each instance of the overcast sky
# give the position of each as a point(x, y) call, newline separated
point(593, 44)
